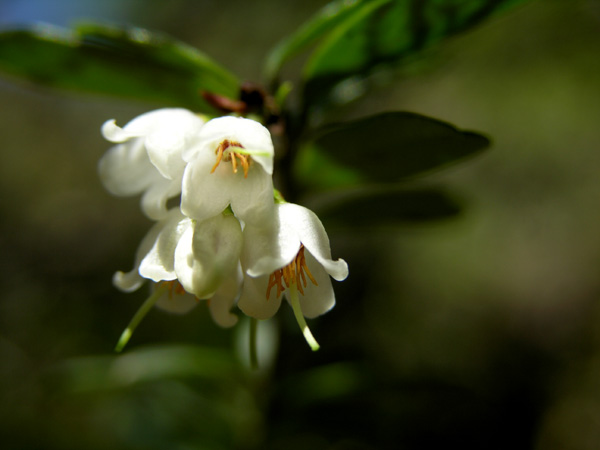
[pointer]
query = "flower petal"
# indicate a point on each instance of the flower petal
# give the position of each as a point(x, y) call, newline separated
point(203, 194)
point(114, 133)
point(208, 254)
point(314, 237)
point(252, 197)
point(222, 302)
point(183, 260)
point(249, 133)
point(167, 141)
point(268, 248)
point(128, 281)
point(154, 200)
point(143, 124)
point(211, 184)
point(217, 243)
point(177, 303)
point(320, 298)
point(132, 280)
point(253, 301)
point(159, 262)
point(125, 169)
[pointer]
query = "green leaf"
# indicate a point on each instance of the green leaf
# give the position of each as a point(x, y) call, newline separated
point(387, 32)
point(321, 24)
point(376, 208)
point(387, 147)
point(132, 63)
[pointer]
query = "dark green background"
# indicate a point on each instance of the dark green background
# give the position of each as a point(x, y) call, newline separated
point(475, 332)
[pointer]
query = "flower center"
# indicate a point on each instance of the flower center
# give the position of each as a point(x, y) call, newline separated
point(174, 287)
point(294, 273)
point(224, 154)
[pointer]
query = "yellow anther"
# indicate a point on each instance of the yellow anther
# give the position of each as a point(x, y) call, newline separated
point(230, 156)
point(293, 273)
point(174, 287)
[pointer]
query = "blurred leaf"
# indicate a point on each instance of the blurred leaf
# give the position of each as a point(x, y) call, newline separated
point(383, 148)
point(386, 32)
point(379, 207)
point(324, 384)
point(321, 24)
point(144, 365)
point(131, 63)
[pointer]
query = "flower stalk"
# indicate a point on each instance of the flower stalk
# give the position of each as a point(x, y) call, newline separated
point(139, 316)
point(252, 342)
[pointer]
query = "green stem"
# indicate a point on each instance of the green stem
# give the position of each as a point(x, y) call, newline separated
point(252, 343)
point(139, 315)
point(295, 302)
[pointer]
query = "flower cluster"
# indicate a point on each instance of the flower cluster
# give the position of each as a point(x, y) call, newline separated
point(229, 241)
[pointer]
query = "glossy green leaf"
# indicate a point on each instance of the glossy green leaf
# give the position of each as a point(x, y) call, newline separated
point(375, 208)
point(387, 32)
point(132, 63)
point(383, 148)
point(320, 25)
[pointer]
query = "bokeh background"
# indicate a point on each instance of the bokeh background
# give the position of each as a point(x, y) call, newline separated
point(479, 331)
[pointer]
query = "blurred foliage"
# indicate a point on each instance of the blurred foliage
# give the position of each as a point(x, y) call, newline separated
point(481, 332)
point(357, 36)
point(373, 208)
point(132, 63)
point(383, 148)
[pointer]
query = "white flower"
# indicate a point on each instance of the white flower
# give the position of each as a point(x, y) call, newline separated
point(292, 256)
point(148, 157)
point(190, 257)
point(231, 164)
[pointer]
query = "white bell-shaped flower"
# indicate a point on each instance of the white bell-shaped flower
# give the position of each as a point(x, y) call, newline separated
point(293, 256)
point(189, 261)
point(230, 164)
point(148, 157)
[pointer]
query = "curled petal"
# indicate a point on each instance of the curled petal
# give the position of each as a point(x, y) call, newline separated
point(312, 234)
point(128, 281)
point(114, 133)
point(132, 280)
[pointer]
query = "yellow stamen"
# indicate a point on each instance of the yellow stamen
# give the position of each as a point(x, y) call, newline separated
point(174, 286)
point(292, 274)
point(234, 163)
point(231, 156)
